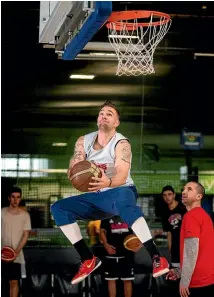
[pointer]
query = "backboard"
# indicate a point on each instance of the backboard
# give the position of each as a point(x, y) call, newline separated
point(68, 26)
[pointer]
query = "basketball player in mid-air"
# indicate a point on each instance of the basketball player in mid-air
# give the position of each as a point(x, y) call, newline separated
point(112, 194)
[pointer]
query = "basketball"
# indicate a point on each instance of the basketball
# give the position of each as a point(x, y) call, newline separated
point(7, 254)
point(81, 175)
point(131, 242)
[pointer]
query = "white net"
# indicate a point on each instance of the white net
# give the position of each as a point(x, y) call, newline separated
point(135, 45)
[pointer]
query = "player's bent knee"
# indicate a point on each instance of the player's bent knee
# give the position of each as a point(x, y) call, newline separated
point(61, 215)
point(129, 213)
point(55, 207)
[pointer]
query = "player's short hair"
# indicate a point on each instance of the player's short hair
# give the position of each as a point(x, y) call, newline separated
point(14, 189)
point(200, 188)
point(111, 104)
point(168, 188)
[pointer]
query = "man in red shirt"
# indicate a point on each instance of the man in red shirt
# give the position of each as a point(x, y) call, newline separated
point(196, 246)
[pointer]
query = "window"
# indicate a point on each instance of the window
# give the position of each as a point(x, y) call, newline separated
point(23, 167)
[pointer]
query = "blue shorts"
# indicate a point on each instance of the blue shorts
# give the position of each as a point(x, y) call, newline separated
point(119, 201)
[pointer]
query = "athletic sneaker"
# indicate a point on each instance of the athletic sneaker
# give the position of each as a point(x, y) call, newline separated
point(85, 269)
point(160, 266)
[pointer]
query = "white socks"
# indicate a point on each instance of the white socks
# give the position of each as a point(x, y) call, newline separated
point(72, 232)
point(141, 229)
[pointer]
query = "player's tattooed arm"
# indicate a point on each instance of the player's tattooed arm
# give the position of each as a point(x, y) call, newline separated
point(122, 162)
point(79, 153)
point(125, 151)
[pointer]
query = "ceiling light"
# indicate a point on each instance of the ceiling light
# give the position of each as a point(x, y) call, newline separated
point(81, 76)
point(204, 54)
point(62, 144)
point(70, 104)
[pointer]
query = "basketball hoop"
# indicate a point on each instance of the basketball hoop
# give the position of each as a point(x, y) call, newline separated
point(135, 42)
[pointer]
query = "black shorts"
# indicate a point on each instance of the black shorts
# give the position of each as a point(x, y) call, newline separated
point(207, 291)
point(118, 268)
point(10, 271)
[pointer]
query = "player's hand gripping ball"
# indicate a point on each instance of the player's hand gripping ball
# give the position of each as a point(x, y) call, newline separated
point(81, 175)
point(8, 254)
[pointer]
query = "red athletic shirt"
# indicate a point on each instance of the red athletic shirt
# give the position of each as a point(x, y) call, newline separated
point(197, 223)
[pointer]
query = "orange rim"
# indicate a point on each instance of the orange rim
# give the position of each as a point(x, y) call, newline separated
point(118, 16)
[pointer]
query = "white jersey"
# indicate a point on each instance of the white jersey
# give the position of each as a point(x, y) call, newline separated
point(104, 158)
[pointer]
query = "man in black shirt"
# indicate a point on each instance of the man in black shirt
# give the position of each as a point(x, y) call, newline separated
point(171, 221)
point(119, 261)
